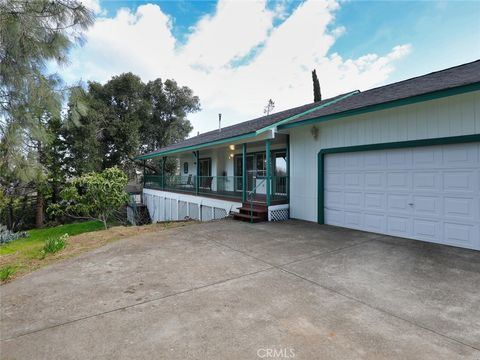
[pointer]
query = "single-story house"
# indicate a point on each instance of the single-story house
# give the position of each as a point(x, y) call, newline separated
point(402, 159)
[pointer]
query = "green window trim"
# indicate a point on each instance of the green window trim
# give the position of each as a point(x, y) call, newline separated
point(388, 105)
point(382, 146)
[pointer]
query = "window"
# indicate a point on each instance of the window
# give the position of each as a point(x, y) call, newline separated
point(261, 164)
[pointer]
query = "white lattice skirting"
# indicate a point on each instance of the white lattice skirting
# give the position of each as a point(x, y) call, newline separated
point(167, 206)
point(278, 212)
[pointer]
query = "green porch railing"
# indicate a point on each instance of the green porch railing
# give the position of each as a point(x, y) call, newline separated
point(222, 186)
point(279, 188)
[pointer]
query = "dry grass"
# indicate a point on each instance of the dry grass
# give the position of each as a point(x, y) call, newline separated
point(30, 259)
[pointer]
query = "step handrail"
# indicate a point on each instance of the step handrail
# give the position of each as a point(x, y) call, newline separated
point(251, 194)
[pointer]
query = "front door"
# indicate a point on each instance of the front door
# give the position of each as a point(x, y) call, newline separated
point(205, 172)
point(239, 173)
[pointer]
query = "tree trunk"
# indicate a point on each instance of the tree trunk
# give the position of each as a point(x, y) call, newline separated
point(54, 192)
point(103, 219)
point(10, 215)
point(39, 216)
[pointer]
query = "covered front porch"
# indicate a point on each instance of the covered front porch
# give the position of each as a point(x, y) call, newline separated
point(255, 171)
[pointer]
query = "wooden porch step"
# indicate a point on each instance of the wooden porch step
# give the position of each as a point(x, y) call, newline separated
point(248, 217)
point(253, 209)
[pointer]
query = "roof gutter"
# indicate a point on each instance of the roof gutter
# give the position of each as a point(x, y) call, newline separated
point(387, 105)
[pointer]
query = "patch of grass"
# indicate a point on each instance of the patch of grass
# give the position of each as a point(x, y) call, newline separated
point(6, 272)
point(36, 238)
point(54, 244)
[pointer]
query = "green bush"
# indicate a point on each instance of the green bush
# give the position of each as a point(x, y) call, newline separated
point(54, 244)
point(6, 272)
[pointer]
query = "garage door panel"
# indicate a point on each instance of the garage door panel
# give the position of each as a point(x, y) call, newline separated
point(374, 222)
point(427, 180)
point(462, 208)
point(352, 161)
point(399, 181)
point(425, 229)
point(460, 181)
point(374, 160)
point(353, 219)
point(375, 180)
point(334, 217)
point(459, 234)
point(334, 180)
point(334, 162)
point(427, 158)
point(461, 155)
point(426, 193)
point(399, 159)
point(353, 200)
point(399, 203)
point(424, 205)
point(375, 201)
point(353, 180)
point(399, 226)
point(334, 198)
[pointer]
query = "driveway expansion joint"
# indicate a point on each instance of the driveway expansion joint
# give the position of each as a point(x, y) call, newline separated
point(135, 304)
point(383, 311)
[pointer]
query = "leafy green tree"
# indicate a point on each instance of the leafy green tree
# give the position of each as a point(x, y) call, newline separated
point(166, 122)
point(125, 117)
point(317, 95)
point(94, 196)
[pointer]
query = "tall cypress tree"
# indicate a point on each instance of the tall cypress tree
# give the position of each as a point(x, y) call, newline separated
point(317, 95)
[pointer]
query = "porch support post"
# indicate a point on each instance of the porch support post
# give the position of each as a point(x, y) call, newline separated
point(287, 180)
point(164, 160)
point(268, 165)
point(197, 173)
point(144, 174)
point(244, 172)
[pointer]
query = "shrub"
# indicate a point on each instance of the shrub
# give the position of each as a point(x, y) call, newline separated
point(54, 244)
point(94, 196)
point(7, 236)
point(6, 272)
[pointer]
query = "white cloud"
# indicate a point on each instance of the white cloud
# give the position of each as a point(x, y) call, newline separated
point(283, 56)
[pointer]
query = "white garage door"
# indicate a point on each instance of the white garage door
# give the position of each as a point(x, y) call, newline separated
point(425, 193)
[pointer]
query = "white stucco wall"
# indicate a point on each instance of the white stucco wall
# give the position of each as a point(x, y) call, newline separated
point(451, 116)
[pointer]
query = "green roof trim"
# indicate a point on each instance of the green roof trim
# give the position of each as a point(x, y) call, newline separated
point(197, 147)
point(296, 116)
point(387, 105)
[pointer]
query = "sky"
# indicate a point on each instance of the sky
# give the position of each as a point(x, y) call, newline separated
point(236, 55)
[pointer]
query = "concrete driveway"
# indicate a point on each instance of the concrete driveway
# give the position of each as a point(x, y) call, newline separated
point(231, 290)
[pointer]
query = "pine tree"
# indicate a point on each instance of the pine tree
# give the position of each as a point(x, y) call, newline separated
point(32, 33)
point(317, 95)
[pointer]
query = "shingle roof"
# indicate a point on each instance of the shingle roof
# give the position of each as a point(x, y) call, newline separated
point(461, 75)
point(457, 76)
point(244, 127)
